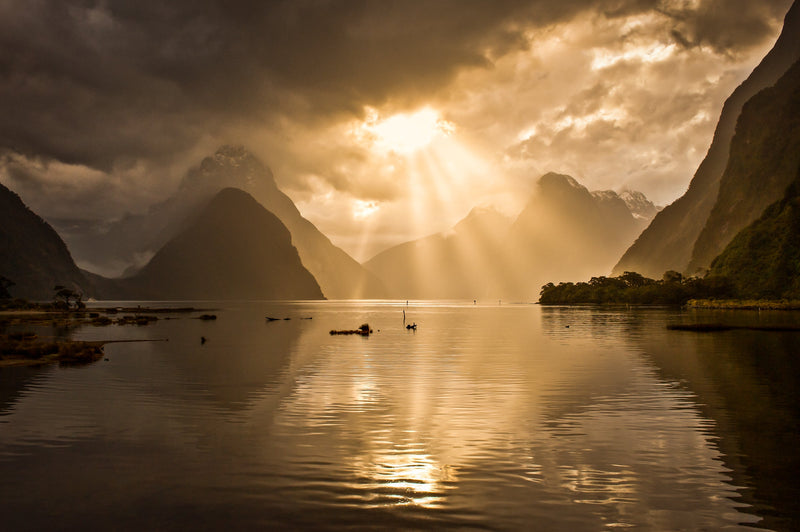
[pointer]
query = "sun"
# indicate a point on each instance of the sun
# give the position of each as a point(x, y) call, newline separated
point(405, 133)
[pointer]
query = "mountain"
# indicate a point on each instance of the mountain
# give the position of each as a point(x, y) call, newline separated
point(765, 154)
point(763, 260)
point(566, 233)
point(133, 239)
point(458, 264)
point(233, 248)
point(669, 240)
point(32, 255)
point(640, 207)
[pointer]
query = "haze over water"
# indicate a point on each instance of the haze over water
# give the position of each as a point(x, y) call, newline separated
point(488, 416)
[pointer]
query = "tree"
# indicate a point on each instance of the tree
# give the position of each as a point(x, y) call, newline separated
point(634, 279)
point(65, 297)
point(671, 276)
point(5, 284)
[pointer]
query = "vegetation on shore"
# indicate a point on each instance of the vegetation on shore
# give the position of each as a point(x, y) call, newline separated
point(18, 349)
point(744, 304)
point(759, 269)
point(763, 260)
point(65, 312)
point(721, 327)
point(635, 289)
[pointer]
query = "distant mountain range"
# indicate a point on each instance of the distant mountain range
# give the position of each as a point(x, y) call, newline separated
point(672, 240)
point(32, 255)
point(130, 242)
point(564, 232)
point(232, 248)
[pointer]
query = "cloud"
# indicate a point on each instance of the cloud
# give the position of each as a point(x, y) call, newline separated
point(727, 26)
point(132, 93)
point(100, 83)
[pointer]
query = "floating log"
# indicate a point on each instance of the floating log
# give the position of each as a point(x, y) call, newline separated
point(364, 330)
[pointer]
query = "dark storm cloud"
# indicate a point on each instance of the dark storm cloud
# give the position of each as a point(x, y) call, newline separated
point(104, 84)
point(724, 25)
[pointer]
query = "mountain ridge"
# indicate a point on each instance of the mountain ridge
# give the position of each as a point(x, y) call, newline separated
point(668, 242)
point(32, 254)
point(764, 155)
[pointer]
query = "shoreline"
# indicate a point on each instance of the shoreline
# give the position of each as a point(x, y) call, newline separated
point(26, 348)
point(743, 304)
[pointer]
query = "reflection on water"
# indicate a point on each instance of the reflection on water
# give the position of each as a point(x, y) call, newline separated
point(497, 417)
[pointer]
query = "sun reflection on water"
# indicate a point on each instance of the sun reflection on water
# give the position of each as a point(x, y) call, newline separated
point(399, 477)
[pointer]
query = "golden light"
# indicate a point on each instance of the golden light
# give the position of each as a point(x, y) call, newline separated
point(654, 53)
point(406, 133)
point(364, 209)
point(437, 176)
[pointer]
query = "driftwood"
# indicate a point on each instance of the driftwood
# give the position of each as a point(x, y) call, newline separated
point(364, 330)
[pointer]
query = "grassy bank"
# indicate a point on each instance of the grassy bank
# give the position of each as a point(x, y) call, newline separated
point(743, 304)
point(27, 349)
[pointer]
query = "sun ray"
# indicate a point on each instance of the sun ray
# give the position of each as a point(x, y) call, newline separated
point(443, 179)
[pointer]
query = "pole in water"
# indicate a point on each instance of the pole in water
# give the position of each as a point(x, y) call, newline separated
point(404, 315)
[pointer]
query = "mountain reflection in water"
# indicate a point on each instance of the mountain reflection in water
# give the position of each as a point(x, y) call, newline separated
point(497, 417)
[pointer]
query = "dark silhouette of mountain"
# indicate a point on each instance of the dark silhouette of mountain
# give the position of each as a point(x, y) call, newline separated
point(233, 248)
point(765, 154)
point(669, 240)
point(458, 264)
point(763, 260)
point(134, 239)
point(32, 255)
point(566, 233)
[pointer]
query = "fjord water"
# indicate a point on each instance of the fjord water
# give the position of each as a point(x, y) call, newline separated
point(485, 417)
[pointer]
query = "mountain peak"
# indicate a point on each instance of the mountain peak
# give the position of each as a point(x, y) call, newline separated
point(237, 249)
point(554, 181)
point(641, 207)
point(608, 195)
point(232, 155)
point(484, 218)
point(230, 166)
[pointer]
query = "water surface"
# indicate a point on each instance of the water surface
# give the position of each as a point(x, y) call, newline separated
point(487, 417)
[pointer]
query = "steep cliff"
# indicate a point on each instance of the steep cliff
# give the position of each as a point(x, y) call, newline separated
point(669, 240)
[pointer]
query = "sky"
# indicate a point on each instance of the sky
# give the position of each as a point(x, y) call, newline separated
point(383, 120)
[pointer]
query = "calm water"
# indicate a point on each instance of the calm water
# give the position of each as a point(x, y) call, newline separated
point(487, 417)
